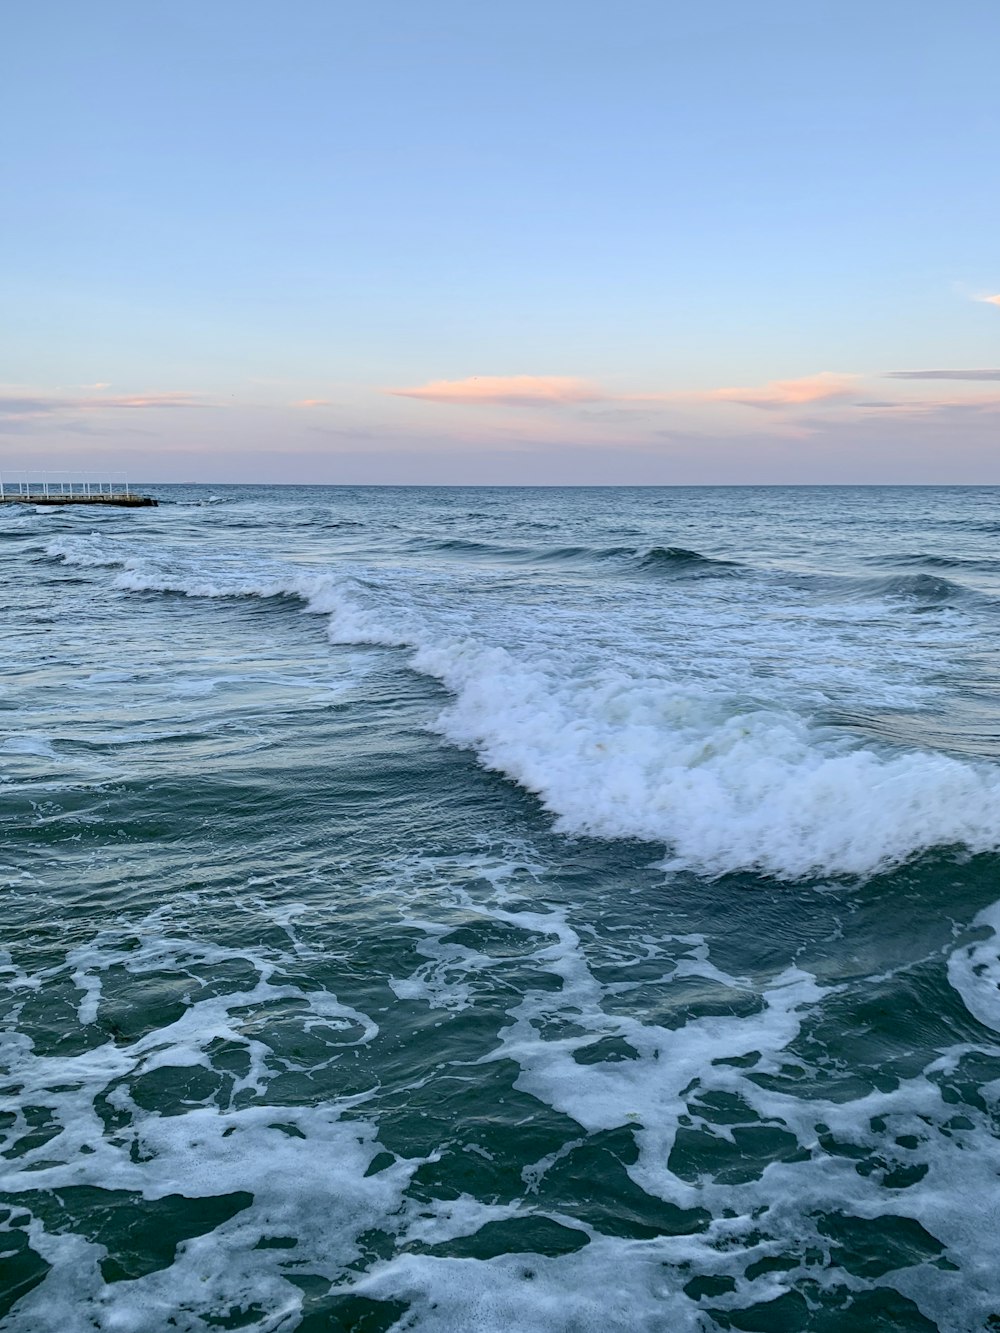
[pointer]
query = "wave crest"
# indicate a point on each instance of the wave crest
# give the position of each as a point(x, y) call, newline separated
point(679, 560)
point(725, 785)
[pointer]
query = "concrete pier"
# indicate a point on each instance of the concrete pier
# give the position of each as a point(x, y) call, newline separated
point(122, 499)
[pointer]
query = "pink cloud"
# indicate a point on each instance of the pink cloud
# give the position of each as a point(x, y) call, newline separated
point(990, 300)
point(506, 391)
point(177, 399)
point(824, 387)
point(568, 390)
point(21, 405)
point(312, 402)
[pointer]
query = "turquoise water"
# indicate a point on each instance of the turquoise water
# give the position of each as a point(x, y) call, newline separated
point(454, 910)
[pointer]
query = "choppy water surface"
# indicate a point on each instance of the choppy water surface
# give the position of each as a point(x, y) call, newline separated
point(454, 910)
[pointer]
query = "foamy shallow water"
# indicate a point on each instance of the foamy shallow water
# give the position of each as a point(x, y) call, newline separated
point(485, 909)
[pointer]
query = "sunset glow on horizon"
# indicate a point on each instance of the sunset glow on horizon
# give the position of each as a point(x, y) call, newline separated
point(395, 244)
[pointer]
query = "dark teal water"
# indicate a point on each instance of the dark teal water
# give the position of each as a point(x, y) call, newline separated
point(455, 910)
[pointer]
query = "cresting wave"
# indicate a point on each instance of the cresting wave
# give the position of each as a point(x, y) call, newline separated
point(677, 559)
point(925, 588)
point(916, 591)
point(629, 752)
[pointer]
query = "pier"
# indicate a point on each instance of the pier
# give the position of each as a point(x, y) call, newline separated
point(59, 489)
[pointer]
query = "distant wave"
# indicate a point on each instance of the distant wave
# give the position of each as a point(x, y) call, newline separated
point(923, 591)
point(672, 560)
point(921, 588)
point(600, 553)
point(928, 560)
point(678, 559)
point(84, 553)
point(917, 591)
point(462, 546)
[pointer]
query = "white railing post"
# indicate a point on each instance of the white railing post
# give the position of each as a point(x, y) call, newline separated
point(54, 487)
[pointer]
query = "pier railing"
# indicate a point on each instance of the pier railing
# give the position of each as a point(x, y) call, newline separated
point(48, 484)
point(65, 488)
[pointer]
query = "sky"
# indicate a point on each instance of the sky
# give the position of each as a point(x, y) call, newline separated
point(431, 241)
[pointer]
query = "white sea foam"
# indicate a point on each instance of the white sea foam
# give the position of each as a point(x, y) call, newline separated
point(781, 1211)
point(974, 971)
point(307, 1175)
point(644, 759)
point(39, 746)
point(622, 736)
point(609, 1285)
point(298, 1170)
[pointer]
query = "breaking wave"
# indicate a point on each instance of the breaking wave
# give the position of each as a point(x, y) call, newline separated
point(726, 783)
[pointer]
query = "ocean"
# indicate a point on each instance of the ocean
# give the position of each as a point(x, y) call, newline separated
point(461, 910)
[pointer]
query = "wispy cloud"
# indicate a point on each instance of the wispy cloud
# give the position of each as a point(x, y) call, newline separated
point(824, 387)
point(507, 391)
point(990, 300)
point(943, 374)
point(955, 406)
point(569, 390)
point(144, 400)
point(313, 402)
point(25, 405)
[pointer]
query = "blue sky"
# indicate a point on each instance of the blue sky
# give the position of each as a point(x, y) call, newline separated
point(640, 242)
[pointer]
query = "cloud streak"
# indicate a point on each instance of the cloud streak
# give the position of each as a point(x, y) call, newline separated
point(824, 387)
point(943, 374)
point(569, 391)
point(507, 391)
point(990, 300)
point(42, 405)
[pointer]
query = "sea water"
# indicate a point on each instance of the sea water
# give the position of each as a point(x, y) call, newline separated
point(481, 909)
